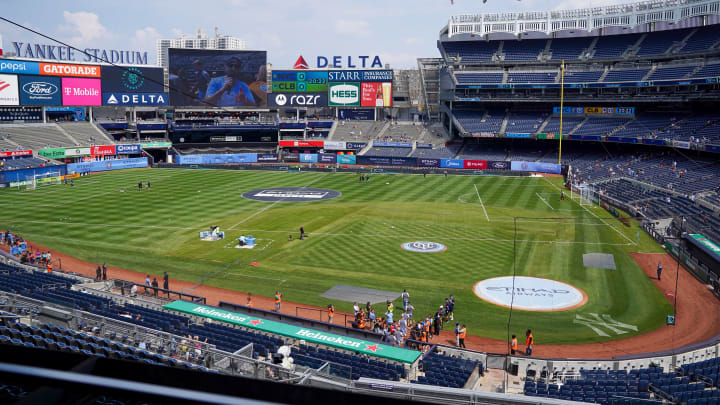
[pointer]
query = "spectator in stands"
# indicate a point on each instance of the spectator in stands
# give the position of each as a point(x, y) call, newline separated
point(98, 273)
point(104, 272)
point(356, 308)
point(133, 290)
point(166, 279)
point(202, 79)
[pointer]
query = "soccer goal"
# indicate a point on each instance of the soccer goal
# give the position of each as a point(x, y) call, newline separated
point(45, 179)
point(585, 194)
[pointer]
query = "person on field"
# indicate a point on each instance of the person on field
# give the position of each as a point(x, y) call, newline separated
point(98, 273)
point(562, 195)
point(331, 313)
point(104, 272)
point(461, 336)
point(529, 341)
point(278, 300)
point(405, 299)
point(513, 345)
point(139, 185)
point(659, 270)
point(147, 282)
point(249, 303)
point(166, 282)
point(457, 334)
point(155, 286)
point(302, 233)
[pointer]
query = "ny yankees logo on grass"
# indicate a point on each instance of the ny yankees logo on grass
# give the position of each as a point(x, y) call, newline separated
point(600, 323)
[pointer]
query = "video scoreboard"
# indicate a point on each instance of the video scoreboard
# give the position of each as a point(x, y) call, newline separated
point(293, 81)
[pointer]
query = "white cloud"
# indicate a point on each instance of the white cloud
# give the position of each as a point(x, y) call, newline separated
point(353, 28)
point(84, 28)
point(145, 38)
point(399, 60)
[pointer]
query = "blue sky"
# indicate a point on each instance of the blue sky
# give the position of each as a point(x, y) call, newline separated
point(399, 31)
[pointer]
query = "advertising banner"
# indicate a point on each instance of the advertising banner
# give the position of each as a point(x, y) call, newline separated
point(393, 144)
point(498, 165)
point(135, 98)
point(360, 76)
point(334, 145)
point(516, 135)
point(61, 69)
point(218, 78)
point(386, 161)
point(681, 144)
point(584, 137)
point(308, 158)
point(102, 150)
point(355, 145)
point(291, 81)
point(267, 158)
point(712, 148)
point(621, 139)
point(36, 90)
point(297, 99)
point(705, 244)
point(327, 158)
point(54, 153)
point(344, 94)
point(536, 167)
point(356, 114)
point(291, 157)
point(428, 162)
point(347, 159)
point(19, 67)
point(216, 159)
point(451, 163)
point(156, 145)
point(658, 142)
point(105, 165)
point(302, 144)
point(475, 164)
point(71, 152)
point(81, 91)
point(424, 145)
point(116, 79)
point(13, 153)
point(9, 94)
point(127, 149)
point(546, 136)
point(376, 94)
point(297, 332)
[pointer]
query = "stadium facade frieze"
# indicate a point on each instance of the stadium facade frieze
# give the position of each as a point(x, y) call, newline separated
point(65, 53)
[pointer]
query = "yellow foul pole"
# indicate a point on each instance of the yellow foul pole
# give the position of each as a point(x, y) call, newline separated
point(562, 96)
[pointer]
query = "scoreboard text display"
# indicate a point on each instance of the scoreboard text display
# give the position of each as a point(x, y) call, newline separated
point(293, 81)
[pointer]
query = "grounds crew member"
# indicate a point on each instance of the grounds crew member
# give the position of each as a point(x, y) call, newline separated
point(659, 270)
point(278, 301)
point(331, 313)
point(529, 341)
point(461, 336)
point(513, 344)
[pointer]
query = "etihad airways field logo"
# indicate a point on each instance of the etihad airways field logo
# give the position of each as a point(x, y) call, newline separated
point(530, 293)
point(424, 247)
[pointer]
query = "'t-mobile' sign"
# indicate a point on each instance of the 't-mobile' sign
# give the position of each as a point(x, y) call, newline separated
point(81, 91)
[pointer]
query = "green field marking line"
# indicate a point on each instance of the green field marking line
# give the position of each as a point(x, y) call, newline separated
point(481, 202)
point(595, 215)
point(274, 203)
point(543, 200)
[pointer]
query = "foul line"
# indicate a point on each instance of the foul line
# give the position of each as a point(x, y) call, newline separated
point(481, 203)
point(543, 200)
point(593, 214)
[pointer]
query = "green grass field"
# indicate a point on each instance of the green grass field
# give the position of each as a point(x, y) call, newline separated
point(354, 239)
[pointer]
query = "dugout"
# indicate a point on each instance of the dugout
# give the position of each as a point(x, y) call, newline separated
point(706, 253)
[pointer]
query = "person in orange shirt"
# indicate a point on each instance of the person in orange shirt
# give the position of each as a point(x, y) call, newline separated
point(461, 336)
point(278, 300)
point(513, 344)
point(249, 301)
point(331, 312)
point(529, 341)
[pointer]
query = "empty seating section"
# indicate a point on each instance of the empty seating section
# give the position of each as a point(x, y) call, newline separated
point(360, 131)
point(85, 133)
point(36, 136)
point(625, 75)
point(527, 50)
point(526, 153)
point(524, 122)
point(446, 371)
point(613, 46)
point(437, 153)
point(532, 77)
point(702, 40)
point(657, 43)
point(673, 72)
point(600, 126)
point(569, 123)
point(22, 163)
point(232, 339)
point(484, 152)
point(598, 386)
point(485, 77)
point(354, 366)
point(477, 121)
point(388, 151)
point(569, 48)
point(709, 70)
point(645, 125)
point(584, 76)
point(471, 51)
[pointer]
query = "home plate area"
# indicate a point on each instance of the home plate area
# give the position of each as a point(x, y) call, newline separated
point(257, 244)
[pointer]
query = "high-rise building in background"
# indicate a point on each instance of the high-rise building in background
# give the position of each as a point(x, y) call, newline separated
point(200, 41)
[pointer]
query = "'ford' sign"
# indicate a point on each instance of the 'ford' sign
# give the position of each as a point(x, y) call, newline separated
point(40, 90)
point(127, 149)
point(135, 99)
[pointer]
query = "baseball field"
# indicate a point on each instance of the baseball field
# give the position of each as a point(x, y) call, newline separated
point(489, 226)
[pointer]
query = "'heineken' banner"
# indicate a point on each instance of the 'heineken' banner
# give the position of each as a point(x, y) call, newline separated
point(297, 332)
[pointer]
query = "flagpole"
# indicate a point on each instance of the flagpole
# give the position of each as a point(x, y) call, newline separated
point(562, 99)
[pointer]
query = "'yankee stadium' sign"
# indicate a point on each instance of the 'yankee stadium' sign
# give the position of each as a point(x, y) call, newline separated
point(65, 53)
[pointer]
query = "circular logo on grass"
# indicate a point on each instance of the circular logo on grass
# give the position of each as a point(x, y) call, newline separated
point(424, 247)
point(530, 293)
point(291, 194)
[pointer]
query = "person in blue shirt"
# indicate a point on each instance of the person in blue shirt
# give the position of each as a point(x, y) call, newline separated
point(229, 90)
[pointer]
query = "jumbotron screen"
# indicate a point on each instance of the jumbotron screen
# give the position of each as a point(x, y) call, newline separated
point(215, 78)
